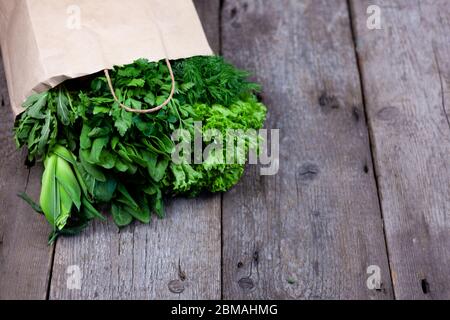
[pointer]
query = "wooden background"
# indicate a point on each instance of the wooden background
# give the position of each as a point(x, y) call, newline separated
point(364, 174)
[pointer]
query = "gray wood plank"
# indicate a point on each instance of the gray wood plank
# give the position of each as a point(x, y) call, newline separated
point(175, 258)
point(406, 76)
point(312, 230)
point(25, 257)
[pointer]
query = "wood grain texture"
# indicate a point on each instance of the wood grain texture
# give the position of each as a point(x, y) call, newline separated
point(312, 230)
point(25, 257)
point(406, 76)
point(175, 258)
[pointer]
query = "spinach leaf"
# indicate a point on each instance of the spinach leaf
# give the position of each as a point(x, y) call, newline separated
point(122, 218)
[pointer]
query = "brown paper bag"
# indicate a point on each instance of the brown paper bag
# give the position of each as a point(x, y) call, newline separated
point(45, 42)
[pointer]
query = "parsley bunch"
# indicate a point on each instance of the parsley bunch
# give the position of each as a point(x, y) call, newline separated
point(97, 154)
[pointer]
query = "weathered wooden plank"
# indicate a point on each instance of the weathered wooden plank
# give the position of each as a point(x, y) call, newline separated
point(312, 230)
point(176, 258)
point(406, 75)
point(25, 257)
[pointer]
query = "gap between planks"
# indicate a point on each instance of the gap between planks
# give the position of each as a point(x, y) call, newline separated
point(351, 14)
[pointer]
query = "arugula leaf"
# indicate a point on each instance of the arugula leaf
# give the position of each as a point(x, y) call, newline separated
point(45, 133)
point(35, 110)
point(62, 103)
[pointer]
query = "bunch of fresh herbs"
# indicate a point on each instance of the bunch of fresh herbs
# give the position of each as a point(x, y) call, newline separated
point(97, 154)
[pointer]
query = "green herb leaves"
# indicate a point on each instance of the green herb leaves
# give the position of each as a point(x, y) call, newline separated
point(62, 107)
point(36, 127)
point(95, 153)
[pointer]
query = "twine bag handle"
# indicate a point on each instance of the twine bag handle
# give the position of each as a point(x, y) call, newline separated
point(145, 111)
point(172, 77)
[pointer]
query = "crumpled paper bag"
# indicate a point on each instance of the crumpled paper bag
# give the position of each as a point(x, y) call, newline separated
point(45, 42)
